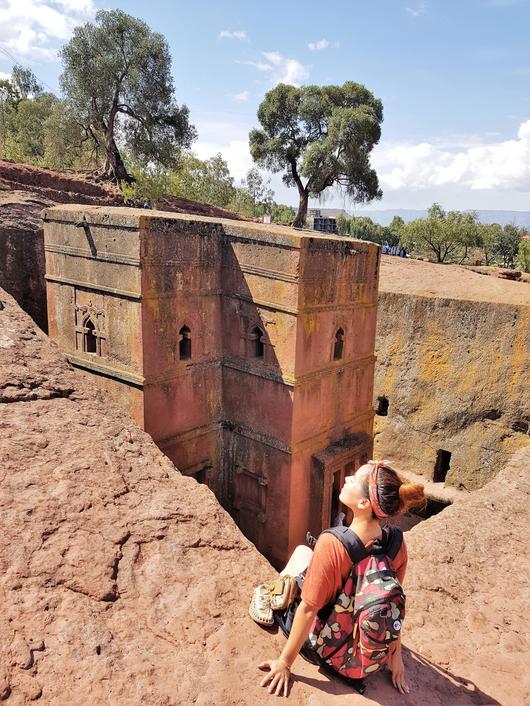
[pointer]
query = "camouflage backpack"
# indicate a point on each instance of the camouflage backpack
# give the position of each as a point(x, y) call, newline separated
point(353, 635)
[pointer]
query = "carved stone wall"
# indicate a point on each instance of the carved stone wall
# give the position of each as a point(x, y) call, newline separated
point(221, 339)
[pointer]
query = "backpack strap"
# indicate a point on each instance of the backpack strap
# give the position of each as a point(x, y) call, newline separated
point(390, 544)
point(394, 541)
point(351, 542)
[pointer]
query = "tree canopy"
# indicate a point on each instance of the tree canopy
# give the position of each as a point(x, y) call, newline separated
point(207, 181)
point(320, 136)
point(452, 235)
point(117, 82)
point(38, 128)
point(439, 233)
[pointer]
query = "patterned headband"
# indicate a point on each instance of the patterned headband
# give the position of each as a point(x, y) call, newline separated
point(372, 489)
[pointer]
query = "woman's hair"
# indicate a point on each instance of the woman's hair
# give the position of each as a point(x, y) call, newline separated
point(395, 494)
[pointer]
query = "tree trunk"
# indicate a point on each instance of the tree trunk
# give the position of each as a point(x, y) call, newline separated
point(114, 166)
point(299, 220)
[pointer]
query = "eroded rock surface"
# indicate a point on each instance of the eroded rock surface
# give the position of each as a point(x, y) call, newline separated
point(82, 187)
point(123, 582)
point(452, 360)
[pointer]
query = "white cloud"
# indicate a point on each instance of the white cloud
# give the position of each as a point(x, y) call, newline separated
point(234, 152)
point(242, 97)
point(281, 69)
point(494, 166)
point(317, 46)
point(419, 9)
point(259, 65)
point(36, 28)
point(222, 132)
point(322, 44)
point(285, 70)
point(227, 34)
point(4, 76)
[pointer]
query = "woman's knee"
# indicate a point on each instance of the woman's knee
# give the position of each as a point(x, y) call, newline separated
point(302, 551)
point(299, 560)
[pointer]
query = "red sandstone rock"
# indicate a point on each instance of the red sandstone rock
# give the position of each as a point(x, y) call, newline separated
point(81, 187)
point(428, 279)
point(123, 582)
point(452, 362)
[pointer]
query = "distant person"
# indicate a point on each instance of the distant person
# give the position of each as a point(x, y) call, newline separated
point(338, 520)
point(147, 204)
point(333, 576)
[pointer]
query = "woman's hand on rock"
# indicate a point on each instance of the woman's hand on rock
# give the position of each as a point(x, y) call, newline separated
point(395, 663)
point(277, 678)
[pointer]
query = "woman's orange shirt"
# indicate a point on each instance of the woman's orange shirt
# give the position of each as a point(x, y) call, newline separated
point(330, 567)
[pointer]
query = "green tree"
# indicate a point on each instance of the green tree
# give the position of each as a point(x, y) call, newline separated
point(396, 225)
point(208, 181)
point(489, 235)
point(117, 81)
point(255, 196)
point(36, 127)
point(523, 255)
point(187, 178)
point(438, 233)
point(27, 139)
point(26, 83)
point(255, 187)
point(150, 183)
point(342, 224)
point(242, 201)
point(507, 245)
point(464, 226)
point(217, 183)
point(67, 144)
point(393, 233)
point(323, 135)
point(363, 228)
point(23, 108)
point(280, 213)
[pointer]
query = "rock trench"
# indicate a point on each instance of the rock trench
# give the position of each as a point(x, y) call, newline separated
point(123, 582)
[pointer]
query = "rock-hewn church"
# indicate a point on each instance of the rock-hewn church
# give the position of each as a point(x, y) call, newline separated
point(245, 350)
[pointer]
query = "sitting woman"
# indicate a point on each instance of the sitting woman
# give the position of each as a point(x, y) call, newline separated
point(374, 493)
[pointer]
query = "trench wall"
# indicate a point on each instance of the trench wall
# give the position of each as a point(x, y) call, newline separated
point(455, 374)
point(22, 269)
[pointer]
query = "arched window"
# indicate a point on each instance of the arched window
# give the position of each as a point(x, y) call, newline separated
point(89, 337)
point(256, 341)
point(339, 344)
point(185, 343)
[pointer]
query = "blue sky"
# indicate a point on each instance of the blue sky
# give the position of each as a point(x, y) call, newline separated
point(454, 78)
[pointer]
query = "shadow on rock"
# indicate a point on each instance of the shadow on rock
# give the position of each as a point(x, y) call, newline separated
point(430, 685)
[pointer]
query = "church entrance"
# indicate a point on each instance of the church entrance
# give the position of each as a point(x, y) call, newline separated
point(329, 469)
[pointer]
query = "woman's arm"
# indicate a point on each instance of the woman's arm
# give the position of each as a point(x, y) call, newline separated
point(279, 669)
point(395, 659)
point(395, 663)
